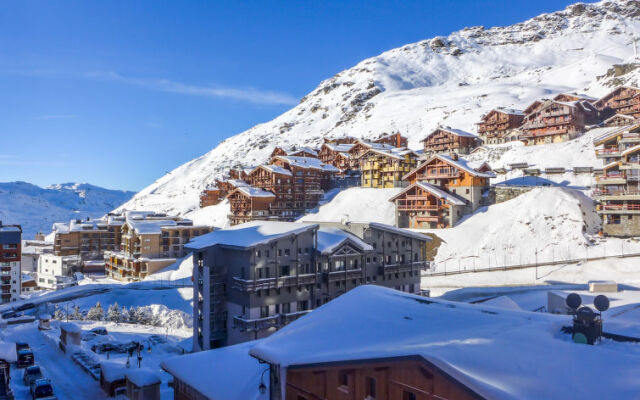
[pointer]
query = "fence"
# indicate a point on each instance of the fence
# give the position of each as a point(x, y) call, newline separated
point(511, 261)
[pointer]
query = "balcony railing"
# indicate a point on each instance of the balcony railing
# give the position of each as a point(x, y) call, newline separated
point(403, 267)
point(247, 285)
point(630, 207)
point(272, 321)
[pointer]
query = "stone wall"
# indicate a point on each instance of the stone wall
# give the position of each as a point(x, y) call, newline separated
point(500, 194)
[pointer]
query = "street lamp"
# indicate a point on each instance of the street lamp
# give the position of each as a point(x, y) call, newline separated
point(74, 304)
point(262, 387)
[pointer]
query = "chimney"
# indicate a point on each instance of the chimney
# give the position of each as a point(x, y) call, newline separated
point(454, 156)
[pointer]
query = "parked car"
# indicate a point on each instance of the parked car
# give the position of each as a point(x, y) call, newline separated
point(25, 306)
point(25, 358)
point(9, 314)
point(22, 345)
point(31, 374)
point(103, 348)
point(99, 330)
point(42, 389)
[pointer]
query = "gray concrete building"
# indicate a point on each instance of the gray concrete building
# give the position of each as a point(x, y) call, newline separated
point(253, 278)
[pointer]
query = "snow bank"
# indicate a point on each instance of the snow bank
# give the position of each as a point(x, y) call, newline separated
point(549, 221)
point(217, 215)
point(358, 204)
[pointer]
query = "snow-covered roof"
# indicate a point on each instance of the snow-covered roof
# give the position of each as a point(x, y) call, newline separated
point(434, 190)
point(611, 165)
point(70, 327)
point(460, 163)
point(400, 231)
point(342, 148)
point(377, 146)
point(454, 131)
point(623, 116)
point(303, 150)
point(237, 182)
point(276, 169)
point(606, 133)
point(506, 110)
point(228, 373)
point(8, 351)
point(255, 192)
point(150, 227)
point(112, 371)
point(497, 353)
point(142, 377)
point(308, 163)
point(249, 234)
point(329, 239)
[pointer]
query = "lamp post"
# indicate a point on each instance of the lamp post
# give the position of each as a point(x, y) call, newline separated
point(262, 387)
point(74, 304)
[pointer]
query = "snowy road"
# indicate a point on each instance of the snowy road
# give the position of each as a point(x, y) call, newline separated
point(68, 379)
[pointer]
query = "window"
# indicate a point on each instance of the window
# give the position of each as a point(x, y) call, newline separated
point(285, 270)
point(286, 308)
point(345, 380)
point(303, 305)
point(370, 387)
point(264, 311)
point(287, 252)
point(407, 395)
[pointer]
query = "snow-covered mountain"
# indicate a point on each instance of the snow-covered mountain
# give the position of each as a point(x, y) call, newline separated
point(448, 80)
point(36, 208)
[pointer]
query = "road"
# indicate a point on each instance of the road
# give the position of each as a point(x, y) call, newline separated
point(68, 379)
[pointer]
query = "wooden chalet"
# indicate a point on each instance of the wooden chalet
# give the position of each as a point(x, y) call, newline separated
point(442, 189)
point(278, 181)
point(393, 139)
point(330, 152)
point(619, 120)
point(278, 151)
point(210, 197)
point(423, 205)
point(239, 173)
point(555, 121)
point(622, 100)
point(385, 169)
point(361, 147)
point(248, 203)
point(227, 186)
point(533, 107)
point(310, 178)
point(445, 140)
point(574, 97)
point(497, 122)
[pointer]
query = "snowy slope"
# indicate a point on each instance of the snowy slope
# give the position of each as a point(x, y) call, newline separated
point(36, 208)
point(450, 80)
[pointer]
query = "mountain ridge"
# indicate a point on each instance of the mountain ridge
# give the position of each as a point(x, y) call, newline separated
point(36, 208)
point(446, 79)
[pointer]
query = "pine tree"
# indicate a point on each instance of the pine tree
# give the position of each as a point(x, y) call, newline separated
point(96, 313)
point(77, 315)
point(133, 315)
point(124, 315)
point(113, 314)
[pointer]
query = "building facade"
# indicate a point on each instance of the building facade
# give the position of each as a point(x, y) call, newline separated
point(623, 100)
point(555, 121)
point(385, 168)
point(89, 238)
point(393, 139)
point(446, 140)
point(497, 123)
point(210, 196)
point(441, 190)
point(254, 278)
point(56, 272)
point(150, 242)
point(10, 262)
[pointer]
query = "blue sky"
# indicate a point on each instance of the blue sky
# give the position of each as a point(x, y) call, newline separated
point(116, 93)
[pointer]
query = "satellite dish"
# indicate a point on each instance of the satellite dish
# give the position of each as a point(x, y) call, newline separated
point(601, 302)
point(573, 300)
point(586, 314)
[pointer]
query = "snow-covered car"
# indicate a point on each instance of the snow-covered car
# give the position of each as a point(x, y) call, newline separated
point(31, 374)
point(42, 389)
point(22, 345)
point(99, 330)
point(25, 358)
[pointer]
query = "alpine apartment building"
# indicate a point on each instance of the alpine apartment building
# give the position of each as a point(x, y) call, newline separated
point(149, 242)
point(10, 257)
point(252, 279)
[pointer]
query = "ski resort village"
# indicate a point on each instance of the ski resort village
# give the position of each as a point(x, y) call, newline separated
point(456, 218)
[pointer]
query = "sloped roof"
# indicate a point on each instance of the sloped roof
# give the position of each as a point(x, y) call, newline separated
point(461, 164)
point(254, 192)
point(249, 234)
point(276, 169)
point(457, 132)
point(631, 150)
point(497, 353)
point(434, 190)
point(329, 239)
point(308, 163)
point(342, 148)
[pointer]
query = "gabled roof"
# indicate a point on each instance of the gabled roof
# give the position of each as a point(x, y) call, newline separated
point(276, 169)
point(606, 96)
point(456, 132)
point(610, 133)
point(461, 164)
point(503, 110)
point(623, 116)
point(308, 163)
point(251, 191)
point(237, 183)
point(303, 150)
point(497, 353)
point(434, 190)
point(249, 234)
point(611, 165)
point(578, 96)
point(330, 239)
point(393, 153)
point(339, 147)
